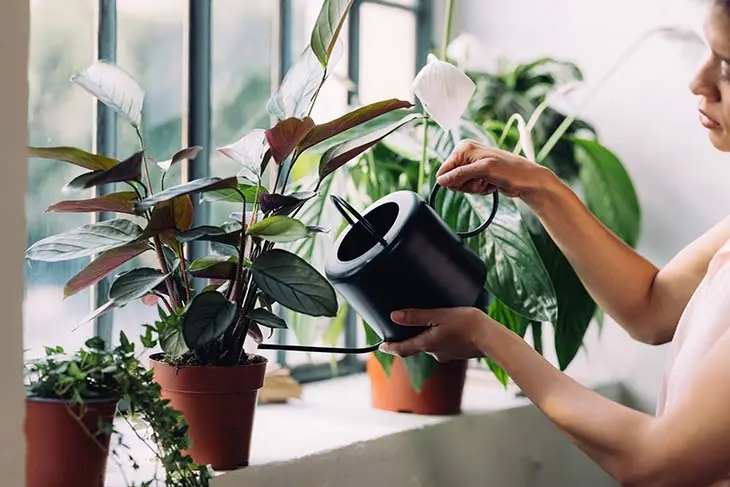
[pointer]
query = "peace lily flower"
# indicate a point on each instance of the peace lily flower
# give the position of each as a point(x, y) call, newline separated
point(444, 90)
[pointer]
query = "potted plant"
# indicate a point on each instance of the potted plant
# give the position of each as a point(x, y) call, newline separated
point(204, 368)
point(71, 404)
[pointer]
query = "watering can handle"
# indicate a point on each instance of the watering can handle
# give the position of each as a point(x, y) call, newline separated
point(480, 228)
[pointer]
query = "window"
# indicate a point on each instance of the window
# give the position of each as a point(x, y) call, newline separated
point(208, 69)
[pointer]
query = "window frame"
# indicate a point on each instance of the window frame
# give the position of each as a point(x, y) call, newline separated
point(197, 129)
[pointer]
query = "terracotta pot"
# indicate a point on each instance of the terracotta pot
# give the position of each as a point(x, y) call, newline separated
point(440, 395)
point(64, 444)
point(218, 404)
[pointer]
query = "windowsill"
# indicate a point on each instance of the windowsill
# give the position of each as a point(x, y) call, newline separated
point(335, 414)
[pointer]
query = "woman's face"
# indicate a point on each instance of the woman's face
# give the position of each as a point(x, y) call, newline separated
point(712, 83)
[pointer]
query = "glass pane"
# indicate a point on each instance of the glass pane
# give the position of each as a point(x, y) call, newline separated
point(241, 81)
point(387, 63)
point(150, 48)
point(62, 41)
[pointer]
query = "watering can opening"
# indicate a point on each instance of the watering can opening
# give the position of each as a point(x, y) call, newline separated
point(359, 240)
point(399, 253)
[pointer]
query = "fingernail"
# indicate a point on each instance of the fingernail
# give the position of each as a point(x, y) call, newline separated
point(443, 179)
point(397, 315)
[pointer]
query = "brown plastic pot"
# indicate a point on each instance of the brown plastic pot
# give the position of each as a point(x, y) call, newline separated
point(440, 395)
point(64, 444)
point(218, 404)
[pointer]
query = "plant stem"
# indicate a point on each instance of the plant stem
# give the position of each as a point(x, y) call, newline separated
point(447, 28)
point(184, 273)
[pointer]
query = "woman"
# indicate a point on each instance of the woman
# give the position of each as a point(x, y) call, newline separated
point(686, 302)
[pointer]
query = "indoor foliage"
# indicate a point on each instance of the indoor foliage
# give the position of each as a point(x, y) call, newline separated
point(246, 273)
point(94, 373)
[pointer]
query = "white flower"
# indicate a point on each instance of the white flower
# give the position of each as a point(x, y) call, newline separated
point(466, 51)
point(248, 151)
point(444, 90)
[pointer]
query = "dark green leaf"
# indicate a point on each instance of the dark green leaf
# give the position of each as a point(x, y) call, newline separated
point(172, 342)
point(207, 317)
point(213, 267)
point(85, 240)
point(266, 318)
point(419, 367)
point(294, 283)
point(128, 170)
point(500, 313)
point(327, 28)
point(356, 117)
point(279, 229)
point(74, 156)
point(135, 284)
point(575, 305)
point(515, 272)
point(197, 186)
point(121, 202)
point(286, 135)
point(338, 155)
point(103, 265)
point(609, 192)
point(230, 195)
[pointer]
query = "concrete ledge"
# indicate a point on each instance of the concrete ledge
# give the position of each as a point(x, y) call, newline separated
point(334, 438)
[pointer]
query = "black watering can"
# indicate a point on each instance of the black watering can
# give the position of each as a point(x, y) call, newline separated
point(400, 254)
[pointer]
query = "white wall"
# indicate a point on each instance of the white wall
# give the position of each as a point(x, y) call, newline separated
point(646, 114)
point(13, 126)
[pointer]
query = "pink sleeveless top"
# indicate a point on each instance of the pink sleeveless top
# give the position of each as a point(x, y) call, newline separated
point(705, 319)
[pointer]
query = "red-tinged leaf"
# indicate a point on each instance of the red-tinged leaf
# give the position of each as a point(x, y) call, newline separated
point(121, 202)
point(183, 155)
point(339, 155)
point(128, 170)
point(72, 155)
point(175, 214)
point(286, 135)
point(364, 114)
point(102, 266)
point(283, 204)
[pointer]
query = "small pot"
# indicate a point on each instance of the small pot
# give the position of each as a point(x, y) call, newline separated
point(440, 395)
point(218, 404)
point(64, 444)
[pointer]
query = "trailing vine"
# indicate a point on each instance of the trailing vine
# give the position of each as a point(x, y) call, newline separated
point(96, 373)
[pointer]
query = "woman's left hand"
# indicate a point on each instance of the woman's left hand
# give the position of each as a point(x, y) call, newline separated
point(454, 333)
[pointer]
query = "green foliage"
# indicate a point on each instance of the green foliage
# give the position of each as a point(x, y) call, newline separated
point(245, 272)
point(96, 373)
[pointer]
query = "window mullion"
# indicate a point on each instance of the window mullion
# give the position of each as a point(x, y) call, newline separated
point(105, 142)
point(198, 128)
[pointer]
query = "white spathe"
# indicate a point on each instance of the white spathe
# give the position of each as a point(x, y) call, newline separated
point(248, 151)
point(444, 90)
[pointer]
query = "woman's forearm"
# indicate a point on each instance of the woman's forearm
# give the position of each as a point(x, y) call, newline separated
point(619, 279)
point(607, 432)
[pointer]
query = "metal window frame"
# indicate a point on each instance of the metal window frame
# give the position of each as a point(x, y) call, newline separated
point(197, 131)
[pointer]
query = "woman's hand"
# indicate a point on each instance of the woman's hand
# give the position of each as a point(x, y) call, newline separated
point(454, 333)
point(479, 169)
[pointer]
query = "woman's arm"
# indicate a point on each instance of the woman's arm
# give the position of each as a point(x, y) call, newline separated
point(688, 445)
point(645, 301)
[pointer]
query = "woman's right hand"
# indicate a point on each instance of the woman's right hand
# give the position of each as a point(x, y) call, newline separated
point(479, 169)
